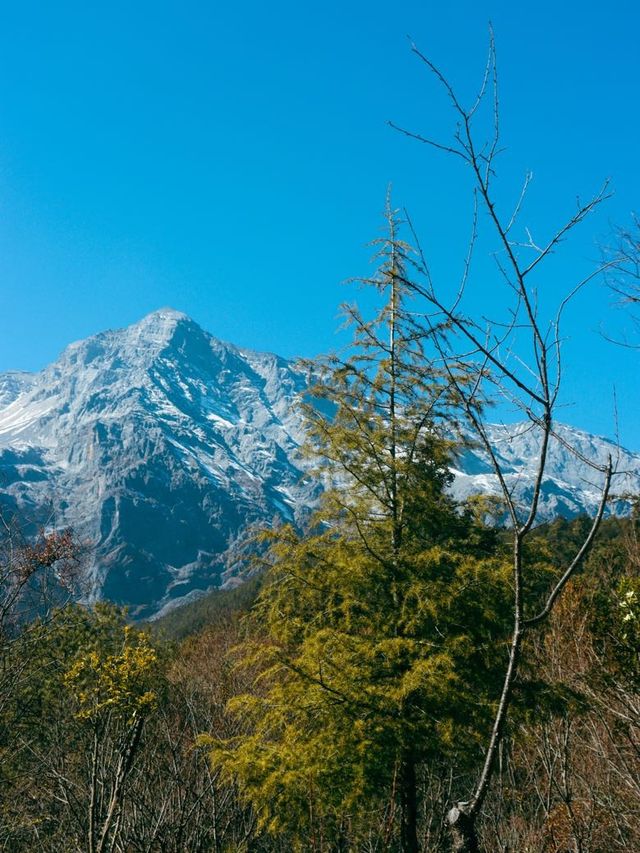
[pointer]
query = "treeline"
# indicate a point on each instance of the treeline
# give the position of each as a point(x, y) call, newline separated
point(107, 734)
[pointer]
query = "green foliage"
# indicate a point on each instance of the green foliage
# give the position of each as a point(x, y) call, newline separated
point(80, 655)
point(616, 623)
point(380, 634)
point(627, 628)
point(212, 609)
point(354, 682)
point(73, 724)
point(609, 591)
point(120, 682)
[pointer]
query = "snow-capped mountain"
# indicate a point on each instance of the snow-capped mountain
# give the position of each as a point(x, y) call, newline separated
point(163, 447)
point(570, 487)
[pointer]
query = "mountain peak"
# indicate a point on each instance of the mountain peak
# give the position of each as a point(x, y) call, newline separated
point(160, 325)
point(162, 447)
point(137, 344)
point(166, 315)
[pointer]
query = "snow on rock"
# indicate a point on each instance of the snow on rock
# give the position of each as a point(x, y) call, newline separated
point(570, 486)
point(164, 447)
point(161, 446)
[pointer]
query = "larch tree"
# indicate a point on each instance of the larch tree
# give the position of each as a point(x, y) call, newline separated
point(378, 627)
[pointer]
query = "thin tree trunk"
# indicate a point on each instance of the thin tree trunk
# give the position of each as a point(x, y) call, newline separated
point(125, 760)
point(91, 832)
point(409, 837)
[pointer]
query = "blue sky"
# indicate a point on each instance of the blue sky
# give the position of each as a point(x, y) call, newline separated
point(232, 162)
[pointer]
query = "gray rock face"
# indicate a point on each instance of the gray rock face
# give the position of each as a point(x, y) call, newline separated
point(164, 447)
point(570, 486)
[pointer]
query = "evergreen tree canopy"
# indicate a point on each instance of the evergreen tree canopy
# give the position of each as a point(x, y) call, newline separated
point(380, 631)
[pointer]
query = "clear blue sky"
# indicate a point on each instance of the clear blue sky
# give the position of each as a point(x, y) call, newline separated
point(231, 160)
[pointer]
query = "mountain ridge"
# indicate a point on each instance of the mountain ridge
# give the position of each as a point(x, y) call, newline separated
point(164, 447)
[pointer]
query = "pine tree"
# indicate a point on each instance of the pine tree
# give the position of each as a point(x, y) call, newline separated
point(378, 626)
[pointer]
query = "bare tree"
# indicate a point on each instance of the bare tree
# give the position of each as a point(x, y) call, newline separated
point(517, 358)
point(36, 574)
point(623, 277)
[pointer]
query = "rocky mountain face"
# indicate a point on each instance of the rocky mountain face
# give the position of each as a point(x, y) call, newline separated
point(163, 448)
point(570, 487)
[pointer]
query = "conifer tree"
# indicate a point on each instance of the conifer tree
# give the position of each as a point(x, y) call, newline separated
point(377, 627)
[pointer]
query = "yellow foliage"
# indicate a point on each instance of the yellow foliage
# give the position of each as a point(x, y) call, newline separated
point(121, 682)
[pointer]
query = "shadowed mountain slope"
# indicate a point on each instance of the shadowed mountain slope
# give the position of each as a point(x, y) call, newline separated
point(164, 448)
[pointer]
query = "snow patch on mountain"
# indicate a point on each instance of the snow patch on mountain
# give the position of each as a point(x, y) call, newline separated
point(571, 486)
point(164, 448)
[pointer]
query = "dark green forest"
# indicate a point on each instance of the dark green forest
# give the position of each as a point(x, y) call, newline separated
point(177, 738)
